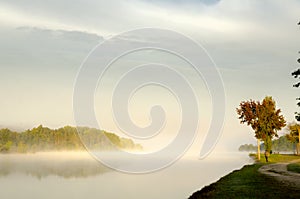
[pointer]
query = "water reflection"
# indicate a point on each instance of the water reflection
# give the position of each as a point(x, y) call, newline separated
point(77, 175)
point(41, 165)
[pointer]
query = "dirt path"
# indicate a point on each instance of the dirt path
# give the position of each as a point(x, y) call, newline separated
point(279, 172)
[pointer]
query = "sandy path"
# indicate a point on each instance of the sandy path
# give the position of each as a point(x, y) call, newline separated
point(279, 172)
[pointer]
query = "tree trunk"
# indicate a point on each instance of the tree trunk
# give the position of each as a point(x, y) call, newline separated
point(268, 144)
point(258, 149)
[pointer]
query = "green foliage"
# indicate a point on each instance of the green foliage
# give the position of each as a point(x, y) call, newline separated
point(294, 135)
point(114, 139)
point(269, 119)
point(294, 130)
point(7, 135)
point(268, 144)
point(282, 144)
point(65, 138)
point(247, 147)
point(22, 148)
point(6, 147)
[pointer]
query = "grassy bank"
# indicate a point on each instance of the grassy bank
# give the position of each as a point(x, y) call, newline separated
point(249, 183)
point(294, 167)
point(275, 158)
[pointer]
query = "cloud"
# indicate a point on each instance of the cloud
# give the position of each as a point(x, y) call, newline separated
point(31, 46)
point(180, 2)
point(228, 19)
point(38, 69)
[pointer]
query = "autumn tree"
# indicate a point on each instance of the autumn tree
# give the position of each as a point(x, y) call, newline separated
point(294, 135)
point(264, 119)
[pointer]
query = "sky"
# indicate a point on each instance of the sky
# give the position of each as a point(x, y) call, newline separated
point(253, 43)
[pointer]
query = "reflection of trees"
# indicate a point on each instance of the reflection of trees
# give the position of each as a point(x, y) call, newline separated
point(41, 165)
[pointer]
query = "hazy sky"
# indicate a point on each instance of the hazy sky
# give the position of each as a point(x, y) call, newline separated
point(254, 44)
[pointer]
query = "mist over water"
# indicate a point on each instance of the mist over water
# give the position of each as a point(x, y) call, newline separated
point(44, 164)
point(77, 175)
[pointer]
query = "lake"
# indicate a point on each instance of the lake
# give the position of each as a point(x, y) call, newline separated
point(77, 175)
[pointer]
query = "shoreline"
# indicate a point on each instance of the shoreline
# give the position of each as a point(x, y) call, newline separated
point(249, 182)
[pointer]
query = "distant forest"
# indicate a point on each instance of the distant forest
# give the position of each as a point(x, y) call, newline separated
point(280, 144)
point(65, 138)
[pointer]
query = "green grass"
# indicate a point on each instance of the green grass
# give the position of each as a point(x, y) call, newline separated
point(294, 167)
point(247, 183)
point(276, 158)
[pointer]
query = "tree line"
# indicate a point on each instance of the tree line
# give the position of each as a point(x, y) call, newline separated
point(66, 138)
point(282, 144)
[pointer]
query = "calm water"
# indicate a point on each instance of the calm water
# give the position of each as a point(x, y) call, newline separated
point(77, 175)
